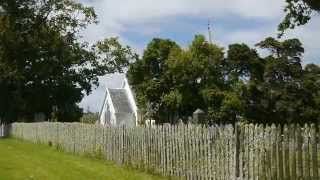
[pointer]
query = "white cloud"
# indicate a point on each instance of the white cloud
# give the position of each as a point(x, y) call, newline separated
point(114, 15)
point(139, 11)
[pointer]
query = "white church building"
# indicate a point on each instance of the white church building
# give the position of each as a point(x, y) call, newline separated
point(119, 107)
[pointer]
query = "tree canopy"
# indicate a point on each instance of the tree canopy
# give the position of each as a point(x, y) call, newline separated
point(172, 82)
point(45, 67)
point(281, 94)
point(185, 79)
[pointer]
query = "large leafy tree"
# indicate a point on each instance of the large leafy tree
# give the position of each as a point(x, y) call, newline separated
point(44, 67)
point(191, 72)
point(242, 66)
point(146, 76)
point(174, 82)
point(283, 95)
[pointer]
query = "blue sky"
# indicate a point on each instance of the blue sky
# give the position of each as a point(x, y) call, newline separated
point(136, 22)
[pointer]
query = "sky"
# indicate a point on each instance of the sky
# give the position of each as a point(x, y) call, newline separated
point(137, 22)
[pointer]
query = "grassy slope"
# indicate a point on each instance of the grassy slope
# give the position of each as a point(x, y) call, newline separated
point(22, 160)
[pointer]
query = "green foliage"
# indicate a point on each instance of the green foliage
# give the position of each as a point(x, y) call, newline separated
point(223, 106)
point(89, 118)
point(298, 12)
point(283, 94)
point(174, 87)
point(44, 67)
point(173, 99)
point(243, 63)
point(240, 86)
point(147, 75)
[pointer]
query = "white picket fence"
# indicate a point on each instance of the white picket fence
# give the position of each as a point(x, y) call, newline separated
point(191, 152)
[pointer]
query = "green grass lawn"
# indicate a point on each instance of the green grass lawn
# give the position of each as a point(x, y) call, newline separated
point(23, 160)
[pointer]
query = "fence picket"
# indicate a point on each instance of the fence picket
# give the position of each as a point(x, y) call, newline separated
point(314, 152)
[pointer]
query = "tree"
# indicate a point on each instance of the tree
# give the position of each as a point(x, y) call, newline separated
point(177, 86)
point(242, 66)
point(146, 76)
point(242, 62)
point(44, 67)
point(311, 87)
point(298, 12)
point(283, 95)
point(198, 73)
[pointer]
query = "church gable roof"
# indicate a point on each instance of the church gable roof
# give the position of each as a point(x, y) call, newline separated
point(120, 100)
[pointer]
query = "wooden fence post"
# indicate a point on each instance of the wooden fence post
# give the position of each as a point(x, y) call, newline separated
point(237, 149)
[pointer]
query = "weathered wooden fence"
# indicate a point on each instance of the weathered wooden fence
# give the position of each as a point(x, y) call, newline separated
point(191, 152)
point(271, 152)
